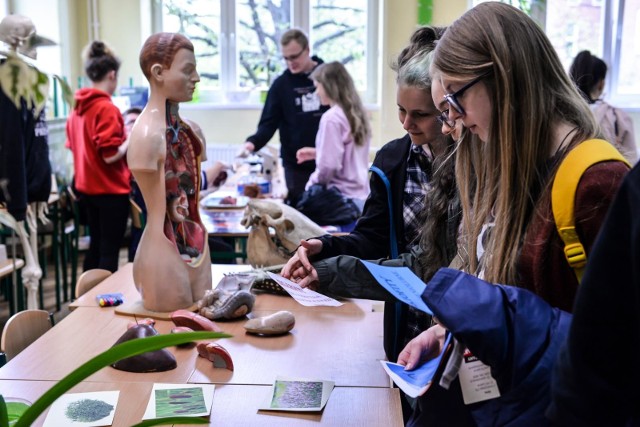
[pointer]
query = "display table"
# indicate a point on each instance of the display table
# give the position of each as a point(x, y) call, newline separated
point(340, 344)
point(237, 405)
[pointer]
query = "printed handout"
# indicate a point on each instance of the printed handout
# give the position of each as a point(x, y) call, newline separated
point(298, 395)
point(401, 282)
point(184, 400)
point(83, 409)
point(416, 382)
point(304, 296)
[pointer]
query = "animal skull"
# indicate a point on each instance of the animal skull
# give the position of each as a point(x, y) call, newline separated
point(289, 225)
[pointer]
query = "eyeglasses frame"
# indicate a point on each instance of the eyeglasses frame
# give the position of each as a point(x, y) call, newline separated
point(452, 98)
point(292, 58)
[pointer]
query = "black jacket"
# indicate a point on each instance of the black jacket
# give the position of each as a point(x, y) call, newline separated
point(292, 108)
point(371, 237)
point(25, 171)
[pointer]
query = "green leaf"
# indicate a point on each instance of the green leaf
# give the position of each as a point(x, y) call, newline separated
point(4, 415)
point(172, 420)
point(115, 353)
point(67, 93)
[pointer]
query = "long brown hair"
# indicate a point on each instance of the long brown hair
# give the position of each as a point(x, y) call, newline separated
point(501, 178)
point(339, 86)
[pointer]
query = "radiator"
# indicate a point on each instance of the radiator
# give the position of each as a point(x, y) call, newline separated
point(222, 152)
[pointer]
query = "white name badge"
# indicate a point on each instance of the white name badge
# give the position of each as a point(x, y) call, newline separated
point(475, 380)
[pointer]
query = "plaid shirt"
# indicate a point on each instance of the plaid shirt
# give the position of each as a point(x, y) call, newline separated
point(416, 186)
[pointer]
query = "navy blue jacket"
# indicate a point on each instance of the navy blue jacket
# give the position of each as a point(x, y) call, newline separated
point(513, 331)
point(292, 108)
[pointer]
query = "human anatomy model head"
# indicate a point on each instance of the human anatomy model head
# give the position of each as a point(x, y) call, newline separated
point(168, 61)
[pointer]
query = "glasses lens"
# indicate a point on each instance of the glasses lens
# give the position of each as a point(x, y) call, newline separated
point(453, 102)
point(443, 118)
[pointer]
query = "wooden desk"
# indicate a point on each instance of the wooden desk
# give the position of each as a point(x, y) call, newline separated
point(341, 344)
point(237, 405)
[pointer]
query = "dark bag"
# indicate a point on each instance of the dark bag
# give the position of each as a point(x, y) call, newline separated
point(327, 206)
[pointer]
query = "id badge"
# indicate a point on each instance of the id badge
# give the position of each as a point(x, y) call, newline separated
point(475, 380)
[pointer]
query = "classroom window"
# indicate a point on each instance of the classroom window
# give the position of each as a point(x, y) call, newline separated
point(607, 28)
point(237, 42)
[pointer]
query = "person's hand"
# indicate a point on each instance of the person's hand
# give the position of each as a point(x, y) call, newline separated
point(246, 149)
point(299, 268)
point(217, 174)
point(424, 347)
point(305, 154)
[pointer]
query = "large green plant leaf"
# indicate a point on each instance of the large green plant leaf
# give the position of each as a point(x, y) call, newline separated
point(172, 420)
point(115, 353)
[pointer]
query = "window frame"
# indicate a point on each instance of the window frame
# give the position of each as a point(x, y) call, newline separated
point(300, 16)
point(611, 43)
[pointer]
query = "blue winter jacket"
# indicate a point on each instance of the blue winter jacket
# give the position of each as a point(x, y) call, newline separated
point(510, 329)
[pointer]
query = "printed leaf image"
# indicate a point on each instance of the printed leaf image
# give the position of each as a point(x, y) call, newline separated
point(88, 410)
point(297, 394)
point(179, 401)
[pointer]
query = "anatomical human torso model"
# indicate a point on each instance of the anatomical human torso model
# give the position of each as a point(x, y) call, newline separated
point(171, 268)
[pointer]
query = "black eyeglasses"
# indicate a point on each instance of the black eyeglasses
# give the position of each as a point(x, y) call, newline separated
point(294, 57)
point(443, 119)
point(452, 98)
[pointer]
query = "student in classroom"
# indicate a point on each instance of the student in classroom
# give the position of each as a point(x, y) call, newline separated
point(520, 134)
point(420, 205)
point(342, 146)
point(96, 137)
point(589, 73)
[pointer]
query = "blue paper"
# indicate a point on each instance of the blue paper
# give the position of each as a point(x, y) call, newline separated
point(421, 376)
point(401, 282)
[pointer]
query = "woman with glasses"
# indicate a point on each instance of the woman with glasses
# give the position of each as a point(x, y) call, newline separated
point(506, 85)
point(413, 202)
point(293, 109)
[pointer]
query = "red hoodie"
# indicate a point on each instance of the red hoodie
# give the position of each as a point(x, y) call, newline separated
point(95, 130)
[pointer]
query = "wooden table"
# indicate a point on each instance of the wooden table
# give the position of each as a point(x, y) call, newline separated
point(237, 405)
point(341, 344)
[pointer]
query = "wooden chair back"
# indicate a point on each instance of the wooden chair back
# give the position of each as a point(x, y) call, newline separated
point(137, 216)
point(22, 329)
point(89, 279)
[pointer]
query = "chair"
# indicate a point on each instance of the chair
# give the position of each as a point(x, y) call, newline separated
point(71, 236)
point(22, 329)
point(89, 279)
point(12, 291)
point(138, 219)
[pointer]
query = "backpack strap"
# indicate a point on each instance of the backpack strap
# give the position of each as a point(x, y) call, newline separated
point(392, 225)
point(563, 195)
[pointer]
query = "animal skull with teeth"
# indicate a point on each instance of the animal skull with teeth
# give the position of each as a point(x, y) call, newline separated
point(289, 225)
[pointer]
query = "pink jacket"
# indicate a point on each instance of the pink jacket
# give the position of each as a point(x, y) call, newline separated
point(339, 162)
point(617, 128)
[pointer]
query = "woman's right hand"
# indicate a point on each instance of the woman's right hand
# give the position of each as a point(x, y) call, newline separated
point(305, 154)
point(299, 268)
point(422, 348)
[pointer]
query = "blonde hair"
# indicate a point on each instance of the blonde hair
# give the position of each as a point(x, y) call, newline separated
point(504, 176)
point(339, 86)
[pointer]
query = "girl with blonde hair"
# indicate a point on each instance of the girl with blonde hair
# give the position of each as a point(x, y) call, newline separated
point(344, 135)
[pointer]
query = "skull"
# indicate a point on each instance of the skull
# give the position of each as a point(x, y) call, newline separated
point(288, 225)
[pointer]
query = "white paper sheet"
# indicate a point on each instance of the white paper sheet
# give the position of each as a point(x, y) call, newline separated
point(83, 409)
point(304, 296)
point(198, 399)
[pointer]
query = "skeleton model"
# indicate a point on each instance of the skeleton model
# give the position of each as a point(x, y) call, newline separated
point(24, 85)
point(289, 225)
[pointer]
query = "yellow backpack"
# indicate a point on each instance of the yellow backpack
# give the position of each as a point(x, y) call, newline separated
point(563, 195)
